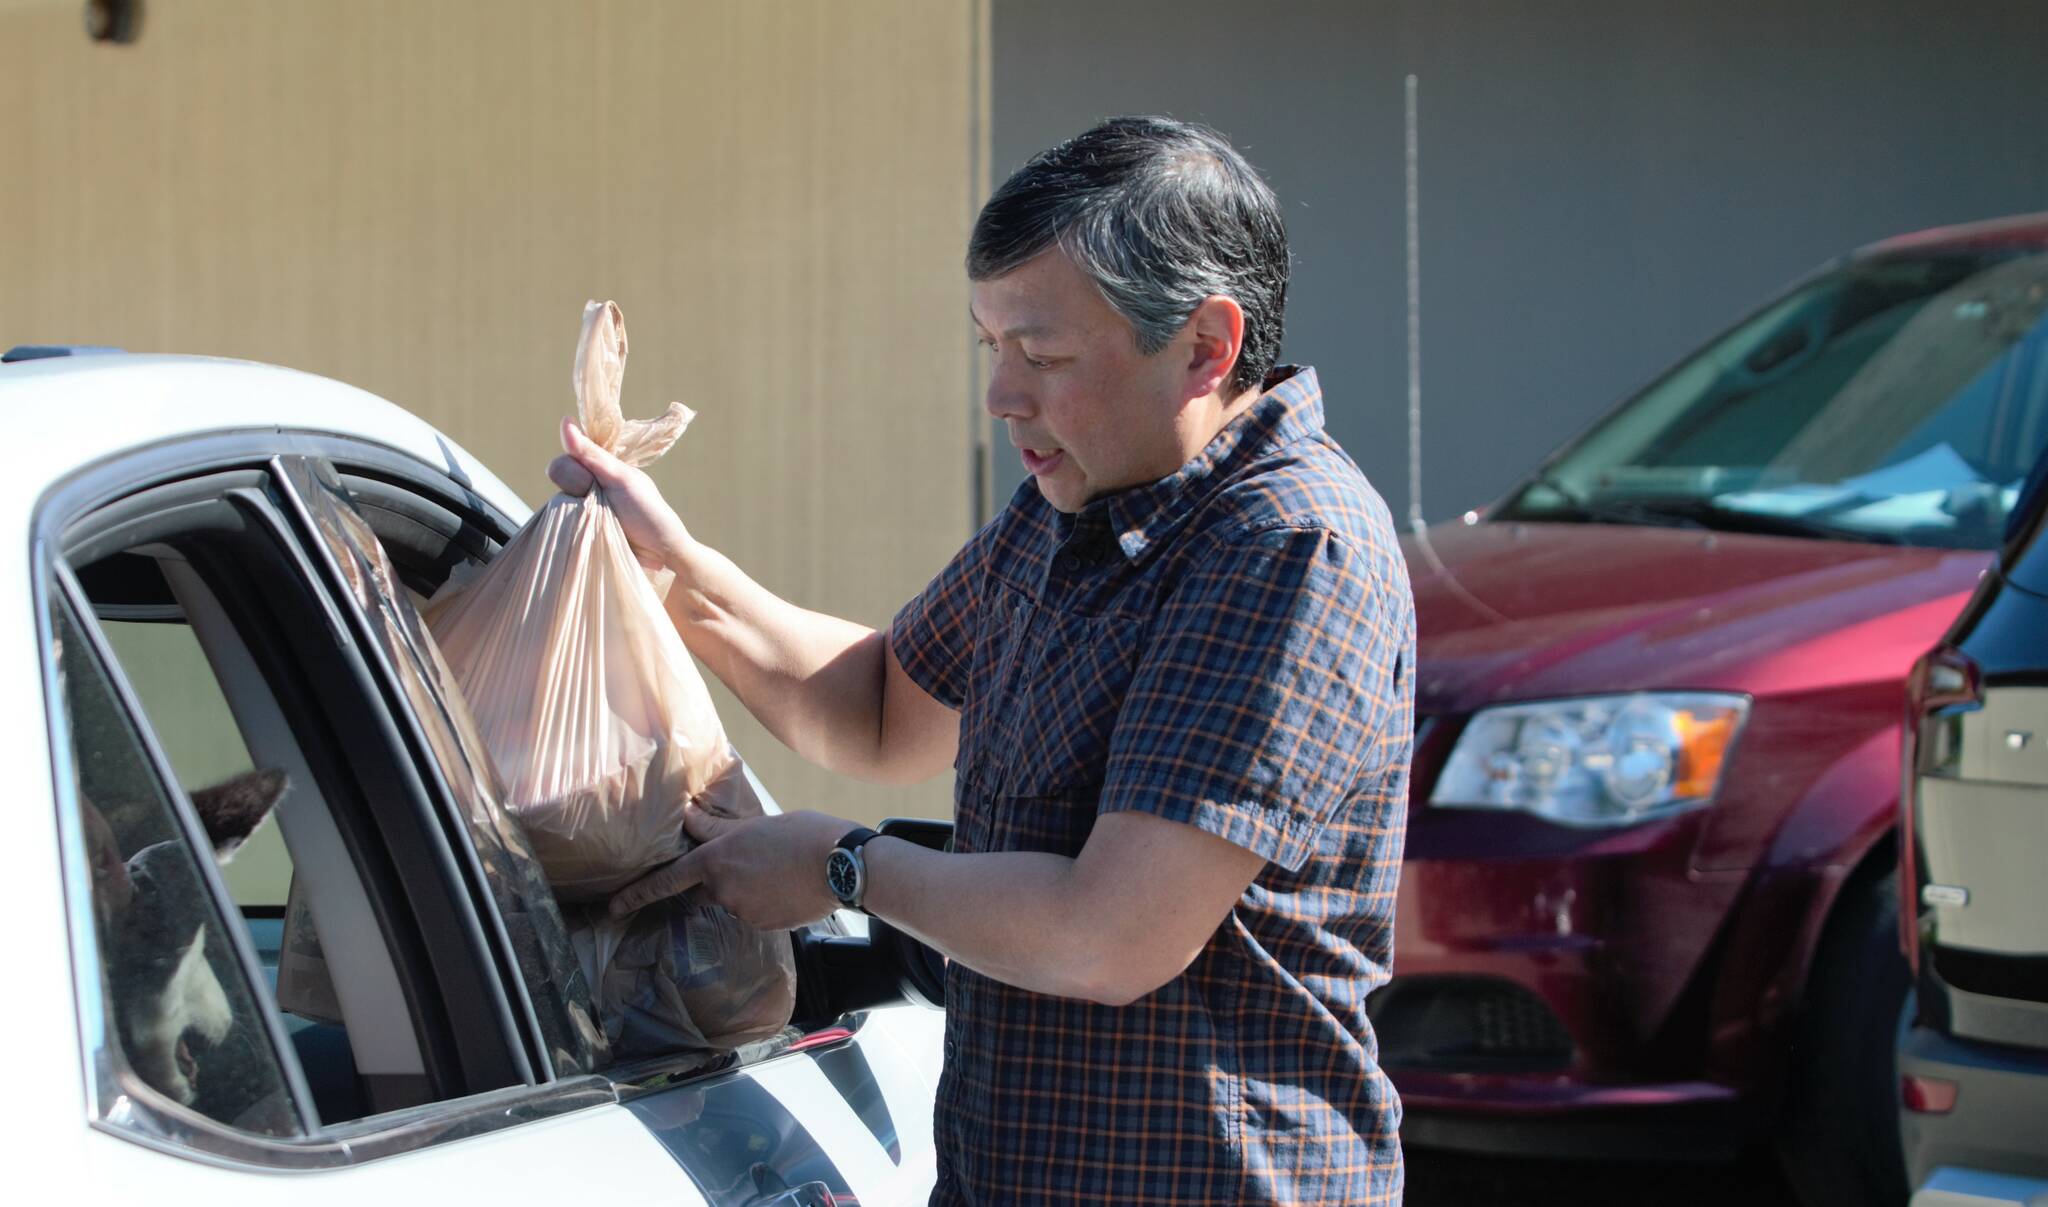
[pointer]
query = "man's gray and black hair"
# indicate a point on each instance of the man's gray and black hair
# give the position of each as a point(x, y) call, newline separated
point(1160, 214)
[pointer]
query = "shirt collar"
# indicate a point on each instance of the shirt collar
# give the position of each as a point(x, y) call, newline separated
point(1289, 410)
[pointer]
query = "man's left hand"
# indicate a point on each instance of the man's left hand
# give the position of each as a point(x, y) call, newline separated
point(767, 871)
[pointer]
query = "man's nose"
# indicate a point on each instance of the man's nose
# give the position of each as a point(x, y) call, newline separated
point(1004, 400)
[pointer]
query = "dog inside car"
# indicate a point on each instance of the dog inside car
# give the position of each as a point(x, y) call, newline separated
point(167, 969)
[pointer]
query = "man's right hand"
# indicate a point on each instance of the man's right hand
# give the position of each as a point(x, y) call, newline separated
point(827, 688)
point(655, 530)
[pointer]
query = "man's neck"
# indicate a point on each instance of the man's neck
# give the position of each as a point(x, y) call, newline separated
point(1208, 415)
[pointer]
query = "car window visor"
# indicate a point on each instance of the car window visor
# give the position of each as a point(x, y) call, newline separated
point(543, 980)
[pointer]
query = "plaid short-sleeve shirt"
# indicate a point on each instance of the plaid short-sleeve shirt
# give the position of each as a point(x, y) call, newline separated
point(1231, 647)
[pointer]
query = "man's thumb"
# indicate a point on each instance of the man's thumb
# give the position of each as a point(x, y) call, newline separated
point(593, 456)
point(678, 875)
point(702, 824)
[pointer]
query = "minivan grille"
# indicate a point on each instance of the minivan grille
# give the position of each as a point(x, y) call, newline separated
point(1466, 1024)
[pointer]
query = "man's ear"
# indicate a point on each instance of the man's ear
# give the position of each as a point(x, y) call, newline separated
point(1217, 331)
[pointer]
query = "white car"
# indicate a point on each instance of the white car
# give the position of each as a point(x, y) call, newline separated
point(218, 556)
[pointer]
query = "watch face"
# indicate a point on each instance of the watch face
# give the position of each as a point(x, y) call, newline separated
point(841, 874)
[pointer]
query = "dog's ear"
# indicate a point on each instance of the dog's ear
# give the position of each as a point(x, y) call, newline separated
point(232, 809)
point(111, 887)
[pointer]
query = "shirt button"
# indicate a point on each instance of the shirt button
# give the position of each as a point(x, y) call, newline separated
point(950, 1049)
point(1069, 563)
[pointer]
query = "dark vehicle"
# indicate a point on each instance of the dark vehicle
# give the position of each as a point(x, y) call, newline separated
point(1648, 904)
point(1973, 1063)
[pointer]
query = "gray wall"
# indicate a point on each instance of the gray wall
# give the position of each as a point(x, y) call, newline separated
point(1604, 184)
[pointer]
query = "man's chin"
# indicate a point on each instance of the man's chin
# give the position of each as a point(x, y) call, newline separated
point(1062, 496)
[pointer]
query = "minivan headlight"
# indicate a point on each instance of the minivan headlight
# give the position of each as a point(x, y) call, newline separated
point(1595, 760)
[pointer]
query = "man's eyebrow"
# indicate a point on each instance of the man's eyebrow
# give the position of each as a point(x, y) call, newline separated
point(1026, 331)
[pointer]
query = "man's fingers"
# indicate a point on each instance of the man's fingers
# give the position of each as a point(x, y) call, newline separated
point(678, 875)
point(593, 456)
point(729, 794)
point(569, 476)
point(702, 824)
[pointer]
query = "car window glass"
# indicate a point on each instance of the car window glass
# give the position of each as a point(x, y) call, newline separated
point(1898, 398)
point(195, 728)
point(180, 1010)
point(189, 714)
point(554, 980)
point(195, 617)
point(391, 546)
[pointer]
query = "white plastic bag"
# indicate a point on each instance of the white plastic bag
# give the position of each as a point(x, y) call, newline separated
point(594, 714)
point(682, 975)
point(601, 730)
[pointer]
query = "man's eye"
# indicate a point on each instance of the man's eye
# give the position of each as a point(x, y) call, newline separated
point(1035, 362)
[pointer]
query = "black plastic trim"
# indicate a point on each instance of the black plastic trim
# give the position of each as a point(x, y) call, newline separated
point(1706, 1132)
point(471, 927)
point(1989, 974)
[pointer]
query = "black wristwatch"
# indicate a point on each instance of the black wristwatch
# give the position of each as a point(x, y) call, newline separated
point(846, 873)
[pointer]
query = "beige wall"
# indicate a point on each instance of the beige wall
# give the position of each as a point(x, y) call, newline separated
point(418, 197)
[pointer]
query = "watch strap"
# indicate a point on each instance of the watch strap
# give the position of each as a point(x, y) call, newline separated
point(851, 843)
point(856, 838)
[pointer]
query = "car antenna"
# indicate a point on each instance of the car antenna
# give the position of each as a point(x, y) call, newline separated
point(1412, 176)
point(1416, 525)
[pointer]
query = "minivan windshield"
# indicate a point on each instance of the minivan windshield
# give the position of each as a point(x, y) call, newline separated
point(1898, 398)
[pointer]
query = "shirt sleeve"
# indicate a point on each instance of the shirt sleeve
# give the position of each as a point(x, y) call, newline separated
point(1268, 692)
point(933, 635)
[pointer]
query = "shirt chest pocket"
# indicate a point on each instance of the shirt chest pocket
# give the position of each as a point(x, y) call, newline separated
point(1054, 685)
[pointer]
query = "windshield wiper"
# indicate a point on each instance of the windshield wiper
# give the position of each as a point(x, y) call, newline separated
point(1738, 519)
point(1711, 513)
point(1704, 513)
point(1612, 511)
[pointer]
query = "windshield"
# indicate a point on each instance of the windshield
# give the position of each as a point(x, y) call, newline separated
point(1899, 399)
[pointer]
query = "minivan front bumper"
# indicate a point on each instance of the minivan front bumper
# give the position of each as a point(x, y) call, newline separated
point(1997, 1121)
point(1580, 995)
point(1530, 1116)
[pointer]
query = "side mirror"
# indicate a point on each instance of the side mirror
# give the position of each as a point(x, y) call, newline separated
point(844, 974)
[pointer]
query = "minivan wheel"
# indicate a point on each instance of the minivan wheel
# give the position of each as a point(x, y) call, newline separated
point(1841, 1139)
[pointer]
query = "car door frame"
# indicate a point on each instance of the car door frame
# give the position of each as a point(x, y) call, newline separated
point(116, 1099)
point(828, 1077)
point(93, 488)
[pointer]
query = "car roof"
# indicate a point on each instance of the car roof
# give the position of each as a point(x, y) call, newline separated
point(2017, 230)
point(66, 412)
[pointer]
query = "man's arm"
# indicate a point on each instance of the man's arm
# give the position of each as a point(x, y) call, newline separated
point(829, 689)
point(1110, 925)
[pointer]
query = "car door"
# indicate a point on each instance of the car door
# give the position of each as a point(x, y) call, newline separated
point(838, 1103)
point(453, 1044)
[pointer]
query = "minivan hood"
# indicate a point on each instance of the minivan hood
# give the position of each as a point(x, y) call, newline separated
point(1518, 611)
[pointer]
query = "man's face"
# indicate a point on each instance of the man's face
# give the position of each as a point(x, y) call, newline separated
point(1089, 413)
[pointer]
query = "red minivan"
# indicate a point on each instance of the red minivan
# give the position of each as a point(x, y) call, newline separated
point(1648, 905)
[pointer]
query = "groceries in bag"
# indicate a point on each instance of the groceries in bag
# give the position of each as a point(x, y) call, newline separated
point(600, 726)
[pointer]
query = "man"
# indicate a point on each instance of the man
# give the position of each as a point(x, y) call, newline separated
point(1175, 679)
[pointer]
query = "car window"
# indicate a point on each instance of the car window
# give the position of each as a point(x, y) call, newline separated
point(184, 695)
point(555, 991)
point(1899, 398)
point(361, 923)
point(195, 727)
point(394, 544)
point(183, 1017)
